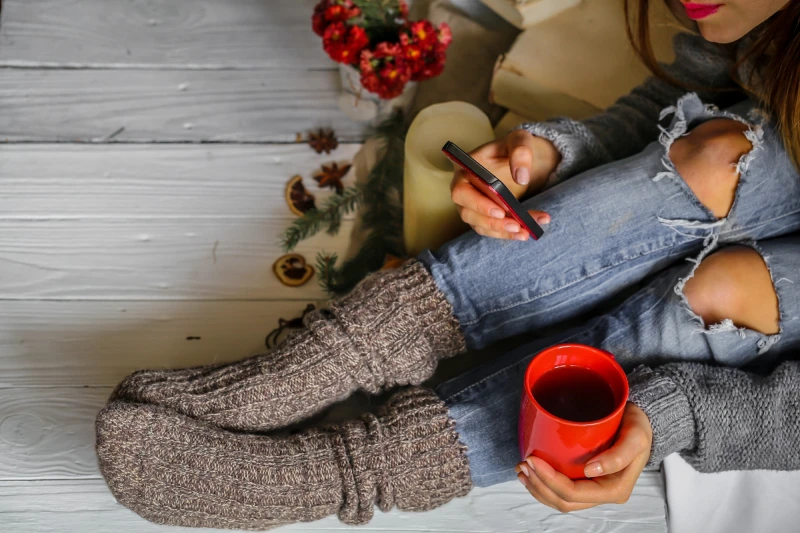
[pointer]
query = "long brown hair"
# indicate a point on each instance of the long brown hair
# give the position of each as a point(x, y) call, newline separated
point(776, 51)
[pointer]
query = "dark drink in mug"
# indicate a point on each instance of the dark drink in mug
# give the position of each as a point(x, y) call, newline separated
point(572, 404)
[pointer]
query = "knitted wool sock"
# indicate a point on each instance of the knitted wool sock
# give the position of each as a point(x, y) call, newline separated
point(172, 469)
point(392, 329)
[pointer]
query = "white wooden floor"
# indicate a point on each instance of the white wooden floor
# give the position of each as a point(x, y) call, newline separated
point(146, 147)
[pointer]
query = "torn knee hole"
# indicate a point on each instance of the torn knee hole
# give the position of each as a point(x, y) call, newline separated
point(735, 285)
point(707, 160)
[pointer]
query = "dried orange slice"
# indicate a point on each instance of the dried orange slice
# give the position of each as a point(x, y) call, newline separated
point(299, 200)
point(292, 270)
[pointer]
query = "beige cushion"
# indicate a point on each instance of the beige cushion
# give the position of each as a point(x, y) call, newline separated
point(581, 54)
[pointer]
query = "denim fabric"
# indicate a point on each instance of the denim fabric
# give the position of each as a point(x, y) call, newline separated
point(653, 326)
point(612, 228)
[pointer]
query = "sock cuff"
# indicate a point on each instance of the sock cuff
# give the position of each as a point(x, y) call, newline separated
point(403, 321)
point(409, 455)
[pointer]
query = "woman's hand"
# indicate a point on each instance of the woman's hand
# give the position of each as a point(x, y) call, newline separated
point(613, 473)
point(530, 160)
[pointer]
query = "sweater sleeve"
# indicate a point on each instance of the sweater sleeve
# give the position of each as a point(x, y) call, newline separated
point(631, 123)
point(722, 418)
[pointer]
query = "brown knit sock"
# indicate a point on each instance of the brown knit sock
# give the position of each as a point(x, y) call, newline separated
point(172, 469)
point(392, 329)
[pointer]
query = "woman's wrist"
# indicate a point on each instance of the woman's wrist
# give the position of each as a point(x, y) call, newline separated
point(668, 410)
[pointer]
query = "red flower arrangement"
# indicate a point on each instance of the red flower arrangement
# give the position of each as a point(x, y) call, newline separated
point(376, 38)
point(343, 43)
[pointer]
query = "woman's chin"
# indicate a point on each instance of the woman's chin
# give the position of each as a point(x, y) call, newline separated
point(719, 33)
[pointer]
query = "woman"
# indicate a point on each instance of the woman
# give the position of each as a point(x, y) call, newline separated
point(627, 200)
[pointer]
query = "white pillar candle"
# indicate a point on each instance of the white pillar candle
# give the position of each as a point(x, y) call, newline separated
point(430, 217)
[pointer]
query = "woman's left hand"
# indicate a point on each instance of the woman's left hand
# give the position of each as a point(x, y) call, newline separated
point(612, 473)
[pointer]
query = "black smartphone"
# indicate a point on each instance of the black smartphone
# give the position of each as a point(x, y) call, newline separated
point(491, 186)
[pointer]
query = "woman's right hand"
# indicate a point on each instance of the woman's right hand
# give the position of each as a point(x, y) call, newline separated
point(529, 159)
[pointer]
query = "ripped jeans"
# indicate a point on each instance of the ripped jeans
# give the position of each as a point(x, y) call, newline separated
point(627, 224)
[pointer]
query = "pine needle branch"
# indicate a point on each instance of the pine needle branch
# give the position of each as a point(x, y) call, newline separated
point(382, 214)
point(326, 270)
point(329, 217)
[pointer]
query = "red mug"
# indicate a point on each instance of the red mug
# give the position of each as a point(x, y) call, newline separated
point(567, 445)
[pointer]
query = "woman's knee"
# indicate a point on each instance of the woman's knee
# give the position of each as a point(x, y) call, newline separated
point(735, 284)
point(706, 159)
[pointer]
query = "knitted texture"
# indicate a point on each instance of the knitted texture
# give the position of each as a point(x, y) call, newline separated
point(722, 418)
point(632, 122)
point(392, 329)
point(668, 410)
point(172, 469)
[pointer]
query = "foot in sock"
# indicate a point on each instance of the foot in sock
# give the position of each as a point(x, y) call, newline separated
point(392, 329)
point(172, 469)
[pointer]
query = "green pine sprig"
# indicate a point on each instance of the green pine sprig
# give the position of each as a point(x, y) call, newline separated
point(329, 217)
point(382, 214)
point(380, 200)
point(326, 268)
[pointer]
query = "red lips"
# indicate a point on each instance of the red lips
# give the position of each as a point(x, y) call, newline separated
point(700, 11)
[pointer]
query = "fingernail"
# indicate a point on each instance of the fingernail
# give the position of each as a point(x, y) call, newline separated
point(497, 213)
point(522, 175)
point(543, 220)
point(525, 470)
point(530, 464)
point(512, 228)
point(521, 236)
point(593, 470)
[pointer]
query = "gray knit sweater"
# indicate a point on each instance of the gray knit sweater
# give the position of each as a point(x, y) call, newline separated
point(717, 418)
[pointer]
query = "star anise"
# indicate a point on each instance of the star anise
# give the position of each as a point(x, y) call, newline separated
point(323, 141)
point(331, 176)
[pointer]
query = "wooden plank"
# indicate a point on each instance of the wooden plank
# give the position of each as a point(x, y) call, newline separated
point(49, 433)
point(220, 208)
point(169, 105)
point(88, 506)
point(162, 259)
point(60, 181)
point(178, 33)
point(47, 343)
